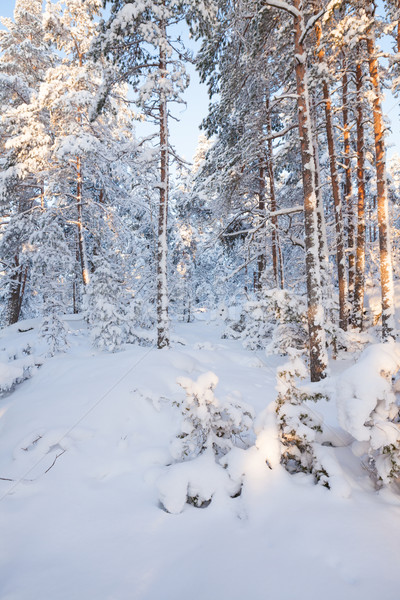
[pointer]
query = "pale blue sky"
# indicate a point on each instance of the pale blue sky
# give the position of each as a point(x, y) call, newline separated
point(184, 135)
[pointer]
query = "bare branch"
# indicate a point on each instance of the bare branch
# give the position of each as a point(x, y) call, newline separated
point(54, 461)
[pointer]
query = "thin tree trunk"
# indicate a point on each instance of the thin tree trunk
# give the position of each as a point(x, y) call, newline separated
point(270, 169)
point(76, 288)
point(162, 283)
point(386, 269)
point(42, 196)
point(281, 272)
point(340, 247)
point(22, 292)
point(315, 312)
point(323, 251)
point(360, 255)
point(79, 203)
point(348, 189)
point(261, 260)
point(81, 238)
point(74, 305)
point(398, 26)
point(14, 300)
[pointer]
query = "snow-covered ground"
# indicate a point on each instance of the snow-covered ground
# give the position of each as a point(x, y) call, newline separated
point(84, 442)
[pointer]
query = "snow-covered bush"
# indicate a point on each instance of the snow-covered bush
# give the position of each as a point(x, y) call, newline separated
point(196, 482)
point(276, 322)
point(16, 365)
point(209, 423)
point(106, 305)
point(369, 411)
point(342, 342)
point(210, 429)
point(11, 375)
point(51, 259)
point(298, 424)
point(53, 329)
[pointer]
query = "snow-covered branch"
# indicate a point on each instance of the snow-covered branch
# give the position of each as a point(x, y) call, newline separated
point(284, 6)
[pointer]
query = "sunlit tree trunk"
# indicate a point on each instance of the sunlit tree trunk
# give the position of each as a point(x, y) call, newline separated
point(360, 254)
point(348, 189)
point(385, 253)
point(340, 246)
point(398, 27)
point(315, 312)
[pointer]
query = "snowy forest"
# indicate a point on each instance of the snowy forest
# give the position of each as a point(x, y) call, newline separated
point(199, 366)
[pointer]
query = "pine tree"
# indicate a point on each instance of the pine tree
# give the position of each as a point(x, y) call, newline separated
point(386, 268)
point(107, 304)
point(51, 260)
point(24, 58)
point(138, 40)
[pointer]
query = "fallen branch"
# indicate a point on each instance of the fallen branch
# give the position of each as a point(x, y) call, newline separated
point(54, 461)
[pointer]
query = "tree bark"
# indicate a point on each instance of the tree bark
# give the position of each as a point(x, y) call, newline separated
point(162, 283)
point(398, 26)
point(323, 251)
point(14, 300)
point(359, 282)
point(385, 253)
point(81, 238)
point(340, 247)
point(261, 260)
point(348, 188)
point(276, 254)
point(315, 312)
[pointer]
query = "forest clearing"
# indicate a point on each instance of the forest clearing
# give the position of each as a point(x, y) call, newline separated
point(199, 359)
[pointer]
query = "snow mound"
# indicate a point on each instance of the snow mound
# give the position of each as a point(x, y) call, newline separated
point(361, 387)
point(196, 482)
point(16, 371)
point(9, 375)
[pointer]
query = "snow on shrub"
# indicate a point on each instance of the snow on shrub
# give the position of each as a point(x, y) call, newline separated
point(344, 342)
point(196, 482)
point(210, 429)
point(17, 371)
point(298, 425)
point(209, 423)
point(106, 305)
point(275, 322)
point(368, 410)
point(53, 329)
point(51, 258)
point(9, 376)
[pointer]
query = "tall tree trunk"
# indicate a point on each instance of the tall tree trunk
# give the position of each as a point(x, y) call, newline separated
point(398, 27)
point(340, 246)
point(315, 312)
point(79, 204)
point(261, 260)
point(323, 251)
point(162, 283)
point(360, 255)
point(385, 252)
point(348, 189)
point(81, 238)
point(270, 170)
